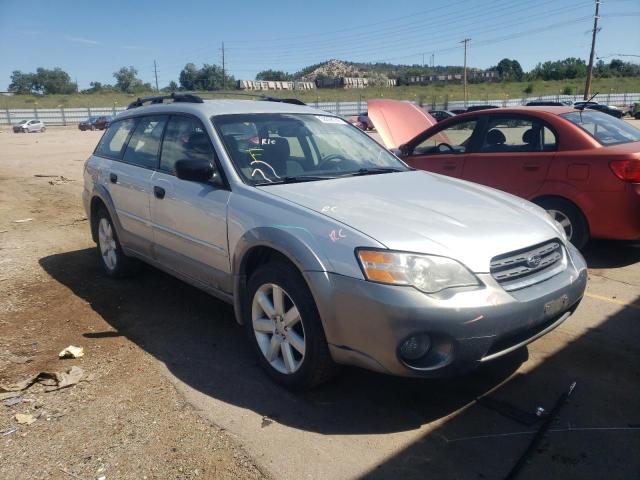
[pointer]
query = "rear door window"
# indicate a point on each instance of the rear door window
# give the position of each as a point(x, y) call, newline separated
point(144, 145)
point(512, 134)
point(113, 142)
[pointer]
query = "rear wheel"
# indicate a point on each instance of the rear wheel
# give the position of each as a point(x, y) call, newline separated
point(43, 129)
point(114, 261)
point(569, 217)
point(284, 327)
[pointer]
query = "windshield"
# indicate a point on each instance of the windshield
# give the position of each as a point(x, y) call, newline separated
point(91, 119)
point(604, 128)
point(274, 148)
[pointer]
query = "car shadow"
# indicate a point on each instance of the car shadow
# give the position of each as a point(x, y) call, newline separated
point(594, 436)
point(198, 339)
point(611, 253)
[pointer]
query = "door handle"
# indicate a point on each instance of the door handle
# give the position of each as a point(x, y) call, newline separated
point(159, 192)
point(113, 177)
point(449, 166)
point(531, 167)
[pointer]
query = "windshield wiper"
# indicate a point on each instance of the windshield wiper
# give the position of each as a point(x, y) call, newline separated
point(295, 179)
point(374, 171)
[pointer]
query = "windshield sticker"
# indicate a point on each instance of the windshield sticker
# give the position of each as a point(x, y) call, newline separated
point(325, 119)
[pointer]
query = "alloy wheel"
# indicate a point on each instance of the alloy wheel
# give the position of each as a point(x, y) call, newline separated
point(563, 220)
point(278, 328)
point(107, 244)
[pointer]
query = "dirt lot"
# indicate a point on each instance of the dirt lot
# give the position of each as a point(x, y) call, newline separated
point(171, 389)
point(127, 421)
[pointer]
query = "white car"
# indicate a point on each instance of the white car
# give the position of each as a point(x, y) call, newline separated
point(27, 126)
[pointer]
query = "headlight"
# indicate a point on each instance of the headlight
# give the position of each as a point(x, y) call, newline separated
point(427, 273)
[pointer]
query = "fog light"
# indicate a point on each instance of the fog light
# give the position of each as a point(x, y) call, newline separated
point(415, 346)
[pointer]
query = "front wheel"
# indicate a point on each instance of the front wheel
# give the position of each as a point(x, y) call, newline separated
point(284, 327)
point(569, 217)
point(43, 129)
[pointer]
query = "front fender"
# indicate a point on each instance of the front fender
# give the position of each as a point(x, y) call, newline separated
point(294, 243)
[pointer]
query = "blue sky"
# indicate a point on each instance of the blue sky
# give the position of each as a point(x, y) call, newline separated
point(92, 40)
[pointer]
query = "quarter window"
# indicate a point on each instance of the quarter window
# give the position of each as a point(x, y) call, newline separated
point(144, 145)
point(185, 139)
point(114, 140)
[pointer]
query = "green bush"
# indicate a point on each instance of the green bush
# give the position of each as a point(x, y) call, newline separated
point(528, 89)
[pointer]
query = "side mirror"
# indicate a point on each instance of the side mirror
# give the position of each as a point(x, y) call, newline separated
point(401, 151)
point(194, 170)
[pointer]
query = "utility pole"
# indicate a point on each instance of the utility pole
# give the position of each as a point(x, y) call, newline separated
point(464, 76)
point(155, 72)
point(224, 80)
point(433, 60)
point(587, 87)
point(423, 60)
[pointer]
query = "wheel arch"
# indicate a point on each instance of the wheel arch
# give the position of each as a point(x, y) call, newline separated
point(100, 197)
point(262, 245)
point(542, 198)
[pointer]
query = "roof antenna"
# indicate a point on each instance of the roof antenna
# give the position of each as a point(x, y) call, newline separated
point(585, 103)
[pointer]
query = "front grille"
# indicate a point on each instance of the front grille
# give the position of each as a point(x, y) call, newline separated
point(530, 265)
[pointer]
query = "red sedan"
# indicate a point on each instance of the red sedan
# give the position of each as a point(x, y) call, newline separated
point(583, 167)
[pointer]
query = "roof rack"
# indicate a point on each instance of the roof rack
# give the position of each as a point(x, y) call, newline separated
point(261, 96)
point(176, 97)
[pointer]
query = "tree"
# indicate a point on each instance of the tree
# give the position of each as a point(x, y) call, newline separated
point(189, 76)
point(274, 75)
point(127, 80)
point(209, 77)
point(173, 86)
point(21, 82)
point(54, 81)
point(44, 81)
point(509, 70)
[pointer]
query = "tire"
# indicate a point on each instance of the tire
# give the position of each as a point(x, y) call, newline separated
point(43, 129)
point(113, 260)
point(302, 341)
point(570, 217)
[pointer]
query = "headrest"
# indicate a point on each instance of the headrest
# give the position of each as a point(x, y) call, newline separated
point(495, 137)
point(530, 136)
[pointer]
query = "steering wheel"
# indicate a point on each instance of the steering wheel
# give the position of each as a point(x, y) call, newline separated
point(331, 161)
point(443, 144)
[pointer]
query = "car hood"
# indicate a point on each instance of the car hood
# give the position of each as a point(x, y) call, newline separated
point(422, 212)
point(398, 122)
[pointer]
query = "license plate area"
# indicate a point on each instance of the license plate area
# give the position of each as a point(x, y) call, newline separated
point(557, 305)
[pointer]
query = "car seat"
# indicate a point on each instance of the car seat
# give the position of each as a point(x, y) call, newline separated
point(495, 141)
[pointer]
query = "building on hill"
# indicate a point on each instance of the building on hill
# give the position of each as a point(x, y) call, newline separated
point(273, 85)
point(473, 74)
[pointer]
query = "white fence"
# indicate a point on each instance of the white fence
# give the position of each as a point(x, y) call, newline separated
point(71, 116)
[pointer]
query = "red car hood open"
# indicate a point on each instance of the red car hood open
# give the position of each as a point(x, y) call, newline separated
point(398, 122)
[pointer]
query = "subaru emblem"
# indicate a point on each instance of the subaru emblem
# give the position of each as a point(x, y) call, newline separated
point(533, 261)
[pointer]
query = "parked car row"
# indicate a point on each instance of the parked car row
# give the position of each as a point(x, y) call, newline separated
point(331, 249)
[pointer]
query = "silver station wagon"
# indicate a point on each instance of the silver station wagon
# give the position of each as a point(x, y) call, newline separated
point(330, 248)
